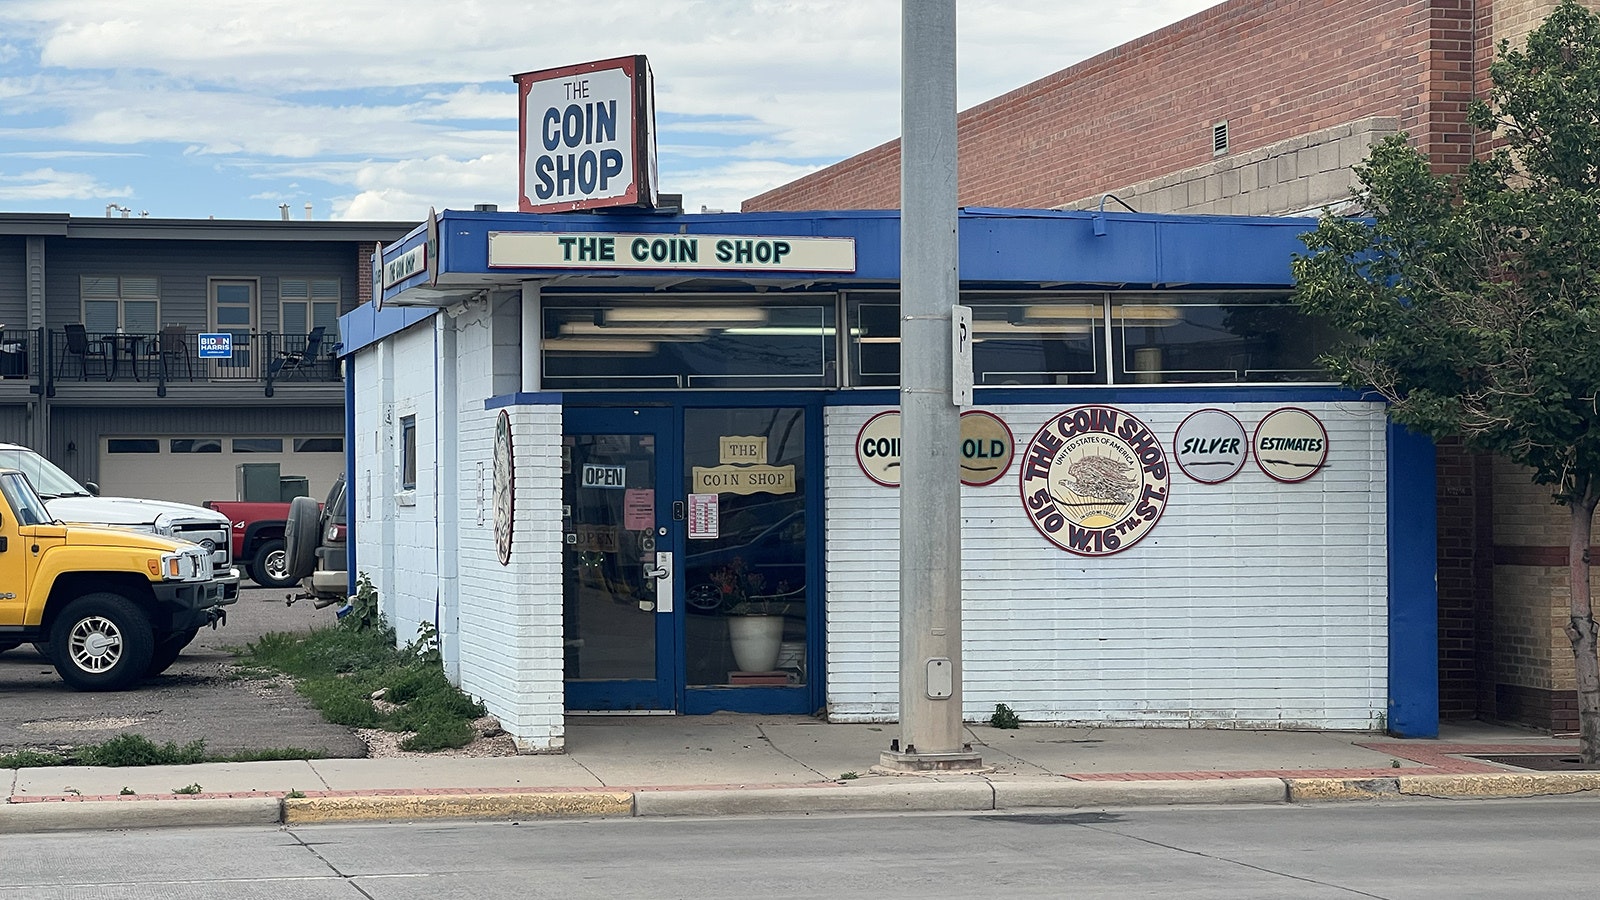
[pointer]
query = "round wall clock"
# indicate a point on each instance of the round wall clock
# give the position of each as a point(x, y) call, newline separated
point(504, 487)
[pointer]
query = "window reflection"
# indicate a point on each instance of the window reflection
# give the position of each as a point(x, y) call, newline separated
point(644, 344)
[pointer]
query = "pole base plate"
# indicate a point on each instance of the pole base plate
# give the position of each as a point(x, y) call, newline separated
point(957, 763)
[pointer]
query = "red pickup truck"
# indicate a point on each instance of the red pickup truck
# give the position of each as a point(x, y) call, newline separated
point(257, 531)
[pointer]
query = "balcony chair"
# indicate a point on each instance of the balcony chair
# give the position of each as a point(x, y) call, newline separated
point(173, 349)
point(84, 350)
point(291, 363)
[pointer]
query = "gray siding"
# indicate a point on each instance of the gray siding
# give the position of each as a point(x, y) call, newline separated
point(183, 269)
point(13, 283)
point(83, 427)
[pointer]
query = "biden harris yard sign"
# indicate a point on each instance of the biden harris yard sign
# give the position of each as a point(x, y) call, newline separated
point(587, 136)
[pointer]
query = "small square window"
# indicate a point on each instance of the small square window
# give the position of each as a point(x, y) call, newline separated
point(319, 445)
point(258, 445)
point(196, 445)
point(133, 445)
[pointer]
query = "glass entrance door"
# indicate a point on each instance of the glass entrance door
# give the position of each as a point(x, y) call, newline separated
point(751, 582)
point(618, 480)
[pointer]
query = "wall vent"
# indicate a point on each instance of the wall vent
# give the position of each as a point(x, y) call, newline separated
point(1219, 138)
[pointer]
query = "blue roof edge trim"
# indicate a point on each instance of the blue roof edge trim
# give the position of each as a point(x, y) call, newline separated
point(524, 398)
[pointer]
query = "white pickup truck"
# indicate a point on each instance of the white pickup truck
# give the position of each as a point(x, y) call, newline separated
point(77, 504)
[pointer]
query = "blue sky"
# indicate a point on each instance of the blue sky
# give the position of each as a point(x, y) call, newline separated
point(380, 110)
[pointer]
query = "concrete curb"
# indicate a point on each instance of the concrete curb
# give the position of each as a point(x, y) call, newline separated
point(1487, 785)
point(893, 795)
point(23, 818)
point(897, 796)
point(551, 805)
point(1024, 795)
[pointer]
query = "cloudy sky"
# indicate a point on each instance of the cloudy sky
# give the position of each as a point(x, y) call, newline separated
point(379, 110)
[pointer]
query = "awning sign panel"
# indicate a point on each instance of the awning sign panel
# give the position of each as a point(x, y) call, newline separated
point(701, 252)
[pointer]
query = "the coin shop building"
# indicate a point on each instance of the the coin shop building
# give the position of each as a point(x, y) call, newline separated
point(648, 462)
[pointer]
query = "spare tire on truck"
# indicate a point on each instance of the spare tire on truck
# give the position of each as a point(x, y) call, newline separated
point(300, 538)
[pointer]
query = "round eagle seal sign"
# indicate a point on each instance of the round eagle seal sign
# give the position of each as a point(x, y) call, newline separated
point(1095, 480)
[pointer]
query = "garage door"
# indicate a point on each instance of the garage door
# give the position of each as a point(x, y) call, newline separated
point(196, 469)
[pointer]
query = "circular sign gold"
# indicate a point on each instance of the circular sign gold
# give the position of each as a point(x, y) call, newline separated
point(987, 447)
point(504, 487)
point(1094, 480)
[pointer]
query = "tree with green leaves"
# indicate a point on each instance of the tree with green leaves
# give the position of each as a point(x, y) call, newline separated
point(1473, 299)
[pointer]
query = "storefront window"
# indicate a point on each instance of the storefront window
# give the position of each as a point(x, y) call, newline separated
point(745, 472)
point(1215, 338)
point(687, 343)
point(1155, 338)
point(1017, 339)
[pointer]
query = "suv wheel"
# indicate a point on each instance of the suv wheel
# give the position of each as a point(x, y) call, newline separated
point(270, 566)
point(102, 642)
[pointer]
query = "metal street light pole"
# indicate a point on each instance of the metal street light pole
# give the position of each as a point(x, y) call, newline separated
point(931, 737)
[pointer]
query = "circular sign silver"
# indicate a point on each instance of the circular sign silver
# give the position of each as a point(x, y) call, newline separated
point(1291, 444)
point(1210, 446)
point(504, 487)
point(1094, 480)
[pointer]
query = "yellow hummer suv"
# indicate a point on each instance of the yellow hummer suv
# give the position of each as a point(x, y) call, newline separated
point(108, 606)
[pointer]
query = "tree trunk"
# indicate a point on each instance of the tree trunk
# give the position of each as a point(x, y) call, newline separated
point(1581, 630)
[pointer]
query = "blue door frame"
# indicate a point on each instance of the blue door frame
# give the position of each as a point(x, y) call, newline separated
point(617, 414)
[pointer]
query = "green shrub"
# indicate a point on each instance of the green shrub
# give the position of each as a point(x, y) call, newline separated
point(1003, 717)
point(138, 750)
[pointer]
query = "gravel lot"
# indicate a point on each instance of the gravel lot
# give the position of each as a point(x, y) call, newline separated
point(196, 699)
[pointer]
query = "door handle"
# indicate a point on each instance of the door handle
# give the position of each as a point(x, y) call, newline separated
point(662, 573)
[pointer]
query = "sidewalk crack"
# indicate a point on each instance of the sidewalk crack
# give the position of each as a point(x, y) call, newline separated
point(762, 733)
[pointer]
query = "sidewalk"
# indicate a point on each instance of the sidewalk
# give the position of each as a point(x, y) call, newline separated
point(736, 764)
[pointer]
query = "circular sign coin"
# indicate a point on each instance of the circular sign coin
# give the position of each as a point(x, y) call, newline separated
point(1094, 480)
point(504, 487)
point(1210, 446)
point(1291, 444)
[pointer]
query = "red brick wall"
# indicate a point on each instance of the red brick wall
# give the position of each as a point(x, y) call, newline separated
point(1274, 69)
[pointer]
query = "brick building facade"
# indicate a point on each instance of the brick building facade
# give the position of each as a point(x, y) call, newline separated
point(1261, 107)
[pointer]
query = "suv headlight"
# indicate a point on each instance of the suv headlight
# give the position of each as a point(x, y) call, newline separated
point(186, 565)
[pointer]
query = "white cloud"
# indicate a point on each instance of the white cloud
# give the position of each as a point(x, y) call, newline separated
point(50, 183)
point(347, 94)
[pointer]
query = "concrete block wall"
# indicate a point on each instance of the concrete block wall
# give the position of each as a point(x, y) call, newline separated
point(1299, 176)
point(1146, 109)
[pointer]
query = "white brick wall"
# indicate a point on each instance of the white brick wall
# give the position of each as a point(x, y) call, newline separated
point(1252, 604)
point(510, 627)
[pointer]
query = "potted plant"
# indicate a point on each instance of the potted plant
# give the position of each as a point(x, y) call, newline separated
point(755, 616)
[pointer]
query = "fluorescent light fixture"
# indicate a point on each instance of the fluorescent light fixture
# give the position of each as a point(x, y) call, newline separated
point(1155, 315)
point(684, 315)
point(589, 330)
point(993, 328)
point(783, 330)
point(1064, 311)
point(585, 345)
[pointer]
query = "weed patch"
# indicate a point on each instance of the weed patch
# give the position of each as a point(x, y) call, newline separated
point(339, 669)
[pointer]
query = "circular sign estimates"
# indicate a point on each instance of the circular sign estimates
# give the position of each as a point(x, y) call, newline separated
point(987, 447)
point(504, 487)
point(1291, 445)
point(1094, 480)
point(1210, 446)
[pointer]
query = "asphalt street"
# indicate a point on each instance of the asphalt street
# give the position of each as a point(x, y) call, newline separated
point(1417, 849)
point(197, 699)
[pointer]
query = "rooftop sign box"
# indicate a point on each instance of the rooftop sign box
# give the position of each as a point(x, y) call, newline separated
point(587, 136)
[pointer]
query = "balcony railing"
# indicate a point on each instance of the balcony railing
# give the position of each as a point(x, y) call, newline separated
point(171, 357)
